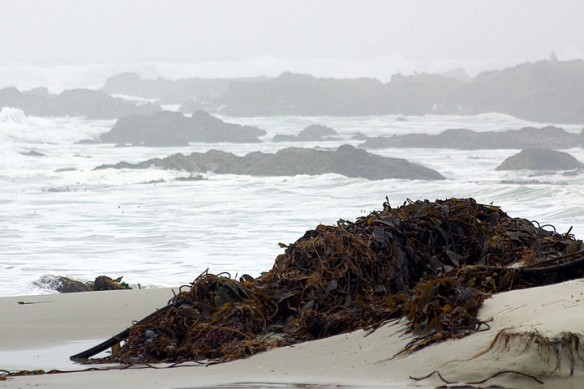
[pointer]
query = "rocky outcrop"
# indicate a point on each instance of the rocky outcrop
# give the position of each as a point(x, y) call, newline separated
point(527, 137)
point(422, 94)
point(96, 105)
point(540, 159)
point(544, 91)
point(75, 102)
point(174, 129)
point(304, 95)
point(189, 91)
point(346, 160)
point(315, 132)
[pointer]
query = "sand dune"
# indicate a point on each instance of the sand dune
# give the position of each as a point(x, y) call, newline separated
point(535, 336)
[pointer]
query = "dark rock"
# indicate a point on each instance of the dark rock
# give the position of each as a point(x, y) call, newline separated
point(10, 97)
point(29, 103)
point(174, 129)
point(159, 129)
point(528, 137)
point(540, 159)
point(64, 284)
point(67, 285)
point(422, 94)
point(315, 132)
point(40, 91)
point(33, 153)
point(544, 91)
point(192, 177)
point(76, 102)
point(346, 160)
point(87, 142)
point(457, 74)
point(207, 128)
point(304, 95)
point(359, 136)
point(97, 105)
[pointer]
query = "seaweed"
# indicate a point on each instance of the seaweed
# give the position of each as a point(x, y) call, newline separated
point(432, 263)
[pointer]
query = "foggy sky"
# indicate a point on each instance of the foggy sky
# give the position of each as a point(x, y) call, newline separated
point(194, 31)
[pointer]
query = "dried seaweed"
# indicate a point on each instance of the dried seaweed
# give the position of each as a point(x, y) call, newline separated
point(433, 263)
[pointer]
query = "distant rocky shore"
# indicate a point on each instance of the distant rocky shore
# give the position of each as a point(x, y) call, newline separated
point(346, 160)
point(545, 91)
point(75, 102)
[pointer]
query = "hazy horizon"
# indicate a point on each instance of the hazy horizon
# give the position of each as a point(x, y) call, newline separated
point(226, 38)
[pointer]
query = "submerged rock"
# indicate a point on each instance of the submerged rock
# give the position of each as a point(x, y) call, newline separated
point(540, 159)
point(527, 137)
point(33, 153)
point(346, 160)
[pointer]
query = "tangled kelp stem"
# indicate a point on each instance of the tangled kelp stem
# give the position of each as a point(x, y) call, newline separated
point(433, 263)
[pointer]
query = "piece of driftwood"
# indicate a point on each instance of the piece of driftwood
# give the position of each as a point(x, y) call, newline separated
point(114, 341)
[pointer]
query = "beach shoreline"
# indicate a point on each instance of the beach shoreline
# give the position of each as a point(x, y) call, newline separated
point(533, 336)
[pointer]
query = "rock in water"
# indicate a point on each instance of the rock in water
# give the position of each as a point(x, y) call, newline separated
point(74, 102)
point(540, 159)
point(315, 132)
point(346, 160)
point(174, 129)
point(463, 139)
point(63, 284)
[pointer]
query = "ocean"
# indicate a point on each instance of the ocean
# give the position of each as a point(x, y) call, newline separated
point(59, 216)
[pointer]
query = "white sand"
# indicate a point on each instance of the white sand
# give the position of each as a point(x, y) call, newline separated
point(350, 359)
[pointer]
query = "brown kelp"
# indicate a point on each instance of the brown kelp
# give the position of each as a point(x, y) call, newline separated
point(432, 263)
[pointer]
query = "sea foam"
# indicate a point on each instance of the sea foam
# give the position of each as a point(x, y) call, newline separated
point(60, 216)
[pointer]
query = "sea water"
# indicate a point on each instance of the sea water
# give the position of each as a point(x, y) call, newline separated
point(59, 216)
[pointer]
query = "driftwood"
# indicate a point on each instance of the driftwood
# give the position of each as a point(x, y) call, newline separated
point(113, 341)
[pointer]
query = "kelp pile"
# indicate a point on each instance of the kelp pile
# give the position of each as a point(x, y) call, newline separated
point(432, 263)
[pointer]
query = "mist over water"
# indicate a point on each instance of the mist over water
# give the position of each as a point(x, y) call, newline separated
point(58, 76)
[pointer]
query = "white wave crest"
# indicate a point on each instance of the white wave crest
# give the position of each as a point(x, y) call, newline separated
point(22, 130)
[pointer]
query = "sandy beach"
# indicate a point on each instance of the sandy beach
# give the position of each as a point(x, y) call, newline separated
point(534, 340)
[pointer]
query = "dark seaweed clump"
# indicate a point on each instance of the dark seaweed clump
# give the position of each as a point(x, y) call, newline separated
point(432, 263)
